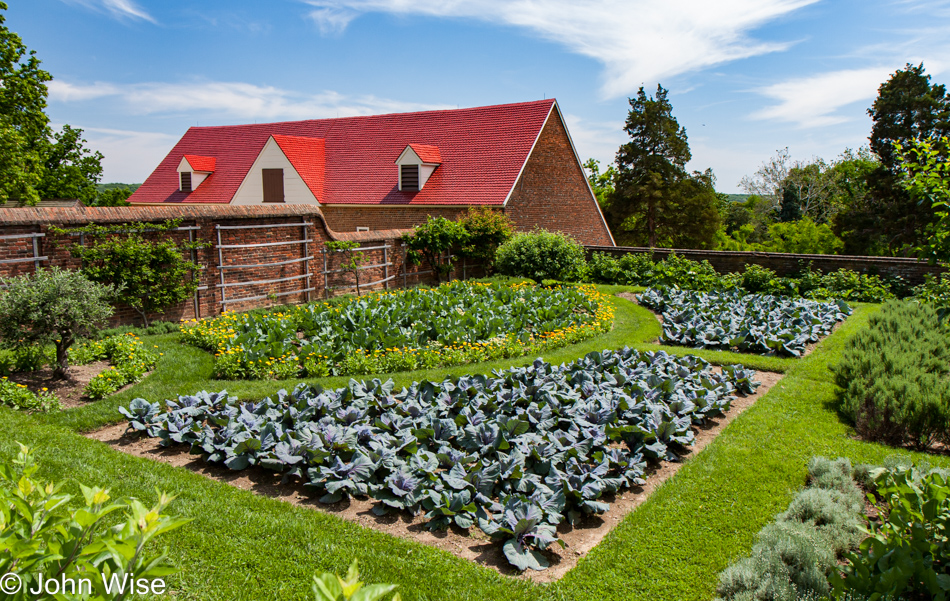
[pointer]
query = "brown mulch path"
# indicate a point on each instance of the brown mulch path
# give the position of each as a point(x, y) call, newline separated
point(69, 390)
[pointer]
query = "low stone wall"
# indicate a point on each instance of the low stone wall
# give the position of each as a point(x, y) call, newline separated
point(911, 270)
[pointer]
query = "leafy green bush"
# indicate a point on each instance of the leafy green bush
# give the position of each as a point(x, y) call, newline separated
point(935, 291)
point(130, 362)
point(487, 229)
point(154, 328)
point(604, 269)
point(52, 306)
point(757, 279)
point(861, 287)
point(803, 237)
point(330, 587)
point(148, 275)
point(18, 396)
point(894, 377)
point(907, 554)
point(542, 255)
point(433, 242)
point(41, 535)
point(794, 556)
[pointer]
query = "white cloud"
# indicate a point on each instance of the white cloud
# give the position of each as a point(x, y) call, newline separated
point(120, 9)
point(231, 99)
point(597, 140)
point(638, 41)
point(129, 155)
point(814, 101)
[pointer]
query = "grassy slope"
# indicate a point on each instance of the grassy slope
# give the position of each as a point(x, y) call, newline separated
point(245, 546)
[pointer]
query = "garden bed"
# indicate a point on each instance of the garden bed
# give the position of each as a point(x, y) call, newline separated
point(420, 328)
point(748, 323)
point(588, 530)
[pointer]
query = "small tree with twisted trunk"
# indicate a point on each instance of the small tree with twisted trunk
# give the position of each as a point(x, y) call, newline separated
point(52, 306)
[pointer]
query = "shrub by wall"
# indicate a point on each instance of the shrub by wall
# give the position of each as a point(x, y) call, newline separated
point(894, 377)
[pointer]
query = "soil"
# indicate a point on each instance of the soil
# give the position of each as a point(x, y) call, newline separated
point(69, 391)
point(811, 346)
point(472, 545)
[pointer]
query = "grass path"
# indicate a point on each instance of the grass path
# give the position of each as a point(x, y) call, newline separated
point(244, 546)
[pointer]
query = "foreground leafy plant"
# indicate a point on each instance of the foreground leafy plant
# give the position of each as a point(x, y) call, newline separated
point(517, 453)
point(750, 323)
point(907, 555)
point(330, 587)
point(41, 538)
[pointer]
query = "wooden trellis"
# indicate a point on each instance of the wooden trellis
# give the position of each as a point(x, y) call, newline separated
point(224, 285)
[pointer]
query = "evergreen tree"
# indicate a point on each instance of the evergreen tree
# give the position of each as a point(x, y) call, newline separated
point(655, 201)
point(791, 208)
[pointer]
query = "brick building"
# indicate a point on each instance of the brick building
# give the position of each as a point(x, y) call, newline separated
point(389, 172)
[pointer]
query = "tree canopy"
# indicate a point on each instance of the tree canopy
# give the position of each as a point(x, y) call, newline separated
point(908, 109)
point(35, 161)
point(655, 201)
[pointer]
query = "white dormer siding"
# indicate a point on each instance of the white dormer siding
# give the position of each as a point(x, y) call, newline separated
point(196, 176)
point(410, 158)
point(251, 190)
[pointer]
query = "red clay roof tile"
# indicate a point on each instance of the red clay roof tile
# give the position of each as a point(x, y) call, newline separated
point(482, 151)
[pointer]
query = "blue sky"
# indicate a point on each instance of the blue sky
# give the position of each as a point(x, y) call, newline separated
point(746, 77)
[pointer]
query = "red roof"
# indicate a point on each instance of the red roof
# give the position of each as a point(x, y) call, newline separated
point(199, 163)
point(427, 152)
point(481, 151)
point(307, 155)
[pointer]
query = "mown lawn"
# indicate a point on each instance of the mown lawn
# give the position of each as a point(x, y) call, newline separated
point(244, 546)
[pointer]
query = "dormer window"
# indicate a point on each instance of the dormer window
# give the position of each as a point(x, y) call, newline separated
point(192, 170)
point(409, 176)
point(416, 164)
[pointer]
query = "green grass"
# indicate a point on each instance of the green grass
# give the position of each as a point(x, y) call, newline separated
point(246, 546)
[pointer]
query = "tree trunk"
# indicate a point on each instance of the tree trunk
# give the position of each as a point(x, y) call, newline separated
point(60, 372)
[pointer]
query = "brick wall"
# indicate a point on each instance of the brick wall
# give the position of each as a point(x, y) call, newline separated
point(552, 191)
point(242, 266)
point(912, 270)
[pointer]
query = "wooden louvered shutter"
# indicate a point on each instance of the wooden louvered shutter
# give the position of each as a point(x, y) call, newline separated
point(186, 181)
point(273, 185)
point(410, 177)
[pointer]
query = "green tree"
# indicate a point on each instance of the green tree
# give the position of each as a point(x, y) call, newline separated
point(149, 274)
point(803, 237)
point(69, 169)
point(908, 109)
point(112, 197)
point(791, 209)
point(34, 161)
point(352, 259)
point(925, 174)
point(655, 201)
point(52, 306)
point(601, 183)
